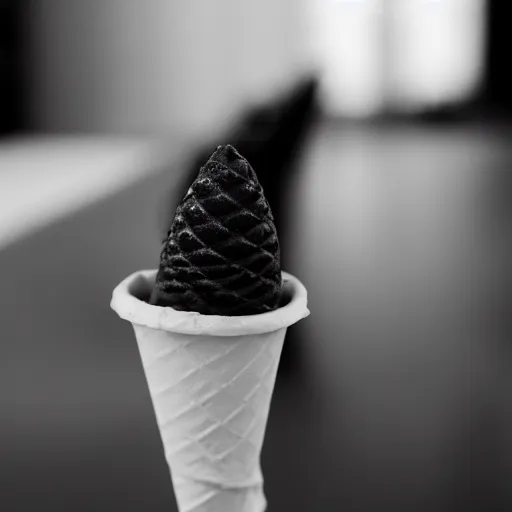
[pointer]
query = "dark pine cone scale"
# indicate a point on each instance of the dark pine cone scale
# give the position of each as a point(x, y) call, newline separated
point(222, 255)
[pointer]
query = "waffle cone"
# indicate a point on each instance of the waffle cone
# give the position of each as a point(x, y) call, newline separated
point(211, 381)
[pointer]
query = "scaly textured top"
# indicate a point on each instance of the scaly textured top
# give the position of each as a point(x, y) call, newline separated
point(221, 255)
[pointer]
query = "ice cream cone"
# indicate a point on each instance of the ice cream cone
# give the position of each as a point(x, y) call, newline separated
point(211, 380)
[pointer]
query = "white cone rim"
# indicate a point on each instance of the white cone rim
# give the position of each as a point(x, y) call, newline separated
point(127, 303)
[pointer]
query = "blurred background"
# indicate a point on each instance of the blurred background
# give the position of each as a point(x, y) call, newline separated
point(380, 131)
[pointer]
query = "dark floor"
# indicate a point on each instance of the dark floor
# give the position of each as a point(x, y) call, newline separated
point(395, 394)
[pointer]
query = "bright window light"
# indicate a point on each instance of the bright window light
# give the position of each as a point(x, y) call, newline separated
point(400, 54)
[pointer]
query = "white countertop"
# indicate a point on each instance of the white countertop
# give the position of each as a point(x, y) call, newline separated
point(44, 179)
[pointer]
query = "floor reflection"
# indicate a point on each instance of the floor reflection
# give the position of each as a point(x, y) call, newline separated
point(391, 237)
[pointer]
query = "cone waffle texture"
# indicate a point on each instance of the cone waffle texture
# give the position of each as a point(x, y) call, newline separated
point(211, 400)
point(222, 254)
point(211, 393)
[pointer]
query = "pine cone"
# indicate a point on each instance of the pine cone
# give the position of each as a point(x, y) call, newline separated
point(222, 255)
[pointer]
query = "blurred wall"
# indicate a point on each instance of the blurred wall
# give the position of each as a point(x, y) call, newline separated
point(11, 79)
point(158, 66)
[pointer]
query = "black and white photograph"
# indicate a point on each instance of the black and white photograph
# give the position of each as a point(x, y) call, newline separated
point(255, 256)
